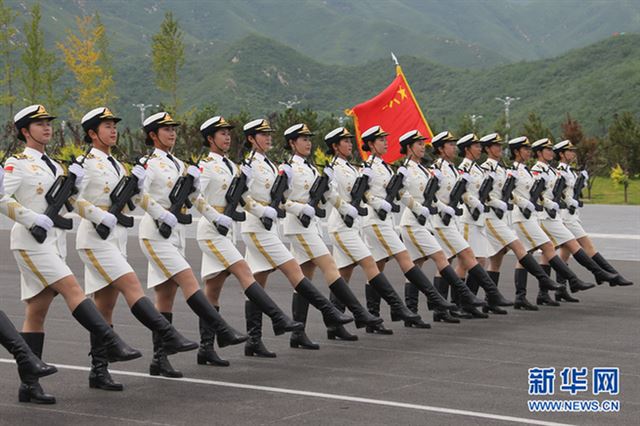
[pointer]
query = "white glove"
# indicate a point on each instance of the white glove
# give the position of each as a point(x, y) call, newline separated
point(351, 211)
point(224, 220)
point(544, 177)
point(437, 174)
point(270, 213)
point(43, 222)
point(424, 211)
point(77, 170)
point(330, 173)
point(510, 173)
point(499, 204)
point(168, 218)
point(530, 206)
point(140, 173)
point(402, 170)
point(492, 175)
point(448, 210)
point(573, 203)
point(466, 176)
point(366, 171)
point(476, 204)
point(385, 206)
point(247, 171)
point(1, 181)
point(585, 174)
point(286, 168)
point(109, 220)
point(307, 210)
point(193, 171)
point(554, 206)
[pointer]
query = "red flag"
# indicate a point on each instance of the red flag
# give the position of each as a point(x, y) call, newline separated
point(396, 110)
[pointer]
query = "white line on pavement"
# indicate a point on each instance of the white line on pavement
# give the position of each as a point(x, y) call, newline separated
point(322, 395)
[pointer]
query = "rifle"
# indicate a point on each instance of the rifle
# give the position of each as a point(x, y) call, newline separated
point(121, 196)
point(454, 199)
point(360, 186)
point(179, 197)
point(558, 189)
point(483, 196)
point(233, 197)
point(429, 196)
point(393, 189)
point(316, 196)
point(58, 196)
point(577, 192)
point(534, 197)
point(507, 191)
point(278, 189)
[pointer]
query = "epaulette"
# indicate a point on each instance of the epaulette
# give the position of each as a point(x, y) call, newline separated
point(21, 156)
point(89, 156)
point(206, 160)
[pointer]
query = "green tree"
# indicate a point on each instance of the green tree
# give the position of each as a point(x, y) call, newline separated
point(8, 45)
point(623, 143)
point(534, 129)
point(620, 177)
point(167, 51)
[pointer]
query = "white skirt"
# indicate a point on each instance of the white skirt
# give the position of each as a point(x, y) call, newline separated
point(164, 260)
point(573, 224)
point(103, 266)
point(474, 235)
point(39, 269)
point(450, 239)
point(530, 233)
point(218, 253)
point(383, 241)
point(348, 248)
point(420, 242)
point(265, 251)
point(556, 231)
point(498, 233)
point(307, 246)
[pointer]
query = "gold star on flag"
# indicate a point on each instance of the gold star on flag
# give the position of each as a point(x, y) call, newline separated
point(403, 92)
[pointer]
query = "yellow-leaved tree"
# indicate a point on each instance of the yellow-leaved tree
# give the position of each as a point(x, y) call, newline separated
point(83, 56)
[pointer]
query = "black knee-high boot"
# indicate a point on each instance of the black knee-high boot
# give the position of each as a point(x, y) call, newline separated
point(362, 317)
point(411, 298)
point(33, 392)
point(442, 314)
point(575, 283)
point(330, 315)
point(435, 300)
point(373, 305)
point(543, 294)
point(226, 334)
point(399, 312)
point(494, 297)
point(261, 300)
point(521, 302)
point(473, 286)
point(299, 310)
point(160, 365)
point(207, 354)
point(99, 376)
point(30, 367)
point(339, 332)
point(462, 293)
point(545, 283)
point(600, 274)
point(254, 346)
point(497, 310)
point(619, 280)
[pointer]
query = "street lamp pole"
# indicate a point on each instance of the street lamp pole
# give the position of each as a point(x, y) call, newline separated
point(506, 101)
point(143, 107)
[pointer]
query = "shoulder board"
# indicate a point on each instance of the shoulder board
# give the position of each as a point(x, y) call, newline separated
point(206, 160)
point(90, 156)
point(21, 156)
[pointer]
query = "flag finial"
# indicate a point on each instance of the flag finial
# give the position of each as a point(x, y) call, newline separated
point(395, 60)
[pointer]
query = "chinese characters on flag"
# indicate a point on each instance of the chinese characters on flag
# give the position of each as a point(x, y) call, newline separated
point(396, 110)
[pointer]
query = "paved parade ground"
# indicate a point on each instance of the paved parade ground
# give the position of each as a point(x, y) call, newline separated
point(471, 373)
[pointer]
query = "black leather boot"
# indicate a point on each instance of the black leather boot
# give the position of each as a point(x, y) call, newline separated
point(399, 312)
point(497, 310)
point(115, 349)
point(543, 294)
point(529, 263)
point(330, 315)
point(600, 274)
point(160, 365)
point(373, 305)
point(434, 298)
point(562, 295)
point(411, 297)
point(619, 280)
point(339, 332)
point(494, 297)
point(281, 322)
point(575, 283)
point(172, 341)
point(99, 377)
point(470, 309)
point(30, 367)
point(33, 392)
point(226, 334)
point(207, 354)
point(254, 346)
point(440, 314)
point(463, 294)
point(300, 309)
point(362, 317)
point(521, 302)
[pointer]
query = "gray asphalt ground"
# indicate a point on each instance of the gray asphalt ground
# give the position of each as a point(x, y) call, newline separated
point(471, 373)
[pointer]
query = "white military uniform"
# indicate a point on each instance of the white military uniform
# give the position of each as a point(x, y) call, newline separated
point(528, 230)
point(166, 256)
point(265, 250)
point(104, 260)
point(306, 243)
point(571, 221)
point(498, 233)
point(348, 247)
point(473, 230)
point(218, 251)
point(553, 227)
point(448, 236)
point(27, 180)
point(419, 241)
